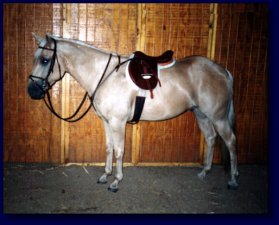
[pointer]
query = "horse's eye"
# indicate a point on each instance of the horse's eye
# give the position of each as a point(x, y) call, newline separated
point(44, 60)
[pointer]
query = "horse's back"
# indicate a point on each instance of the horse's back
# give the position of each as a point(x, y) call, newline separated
point(202, 62)
point(200, 70)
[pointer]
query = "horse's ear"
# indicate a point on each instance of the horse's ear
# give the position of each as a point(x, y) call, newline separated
point(37, 38)
point(49, 37)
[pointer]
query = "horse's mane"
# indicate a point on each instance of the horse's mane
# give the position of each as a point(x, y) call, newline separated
point(82, 43)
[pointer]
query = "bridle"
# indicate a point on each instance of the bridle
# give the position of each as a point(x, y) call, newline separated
point(46, 85)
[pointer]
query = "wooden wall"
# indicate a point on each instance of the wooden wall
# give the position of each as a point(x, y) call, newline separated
point(106, 26)
point(184, 29)
point(32, 134)
point(241, 46)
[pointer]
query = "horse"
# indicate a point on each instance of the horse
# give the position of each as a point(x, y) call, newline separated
point(194, 83)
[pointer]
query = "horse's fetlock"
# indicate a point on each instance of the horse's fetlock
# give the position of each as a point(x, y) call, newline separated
point(108, 172)
point(119, 177)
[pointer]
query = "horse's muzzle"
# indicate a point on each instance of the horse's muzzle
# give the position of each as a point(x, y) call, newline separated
point(35, 89)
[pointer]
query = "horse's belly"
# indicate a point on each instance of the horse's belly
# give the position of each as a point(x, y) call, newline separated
point(165, 105)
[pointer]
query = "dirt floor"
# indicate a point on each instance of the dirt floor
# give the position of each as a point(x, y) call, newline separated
point(73, 189)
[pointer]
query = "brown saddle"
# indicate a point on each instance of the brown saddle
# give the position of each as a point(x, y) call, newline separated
point(143, 69)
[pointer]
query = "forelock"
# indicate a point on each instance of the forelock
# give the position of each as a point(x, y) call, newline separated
point(39, 51)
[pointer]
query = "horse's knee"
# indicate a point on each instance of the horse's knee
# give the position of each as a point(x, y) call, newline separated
point(118, 153)
point(109, 148)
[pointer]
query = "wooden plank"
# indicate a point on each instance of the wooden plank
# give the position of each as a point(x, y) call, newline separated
point(136, 143)
point(57, 29)
point(136, 130)
point(141, 20)
point(65, 92)
point(6, 59)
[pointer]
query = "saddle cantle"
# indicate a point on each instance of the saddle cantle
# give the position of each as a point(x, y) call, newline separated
point(143, 69)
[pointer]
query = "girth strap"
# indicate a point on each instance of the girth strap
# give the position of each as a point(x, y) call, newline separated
point(140, 100)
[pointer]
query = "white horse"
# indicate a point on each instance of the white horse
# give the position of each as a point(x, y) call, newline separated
point(194, 82)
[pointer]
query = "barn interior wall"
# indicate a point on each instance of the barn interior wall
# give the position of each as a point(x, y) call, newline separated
point(32, 134)
point(241, 46)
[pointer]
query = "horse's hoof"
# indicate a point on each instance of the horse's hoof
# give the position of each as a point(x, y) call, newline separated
point(113, 189)
point(102, 181)
point(232, 186)
point(202, 175)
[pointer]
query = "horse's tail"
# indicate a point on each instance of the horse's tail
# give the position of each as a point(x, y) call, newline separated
point(231, 116)
point(225, 156)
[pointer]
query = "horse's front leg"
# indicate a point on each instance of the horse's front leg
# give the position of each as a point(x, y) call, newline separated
point(117, 128)
point(109, 153)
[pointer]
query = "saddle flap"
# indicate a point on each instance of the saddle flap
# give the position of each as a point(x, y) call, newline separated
point(142, 74)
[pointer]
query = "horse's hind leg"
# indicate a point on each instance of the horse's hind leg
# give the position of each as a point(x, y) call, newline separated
point(225, 131)
point(209, 133)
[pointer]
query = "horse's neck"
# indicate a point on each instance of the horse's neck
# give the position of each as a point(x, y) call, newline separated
point(86, 65)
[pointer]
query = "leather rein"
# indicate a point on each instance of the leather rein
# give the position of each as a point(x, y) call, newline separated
point(46, 85)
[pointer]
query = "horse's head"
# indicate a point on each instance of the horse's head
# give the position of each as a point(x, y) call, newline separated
point(46, 69)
